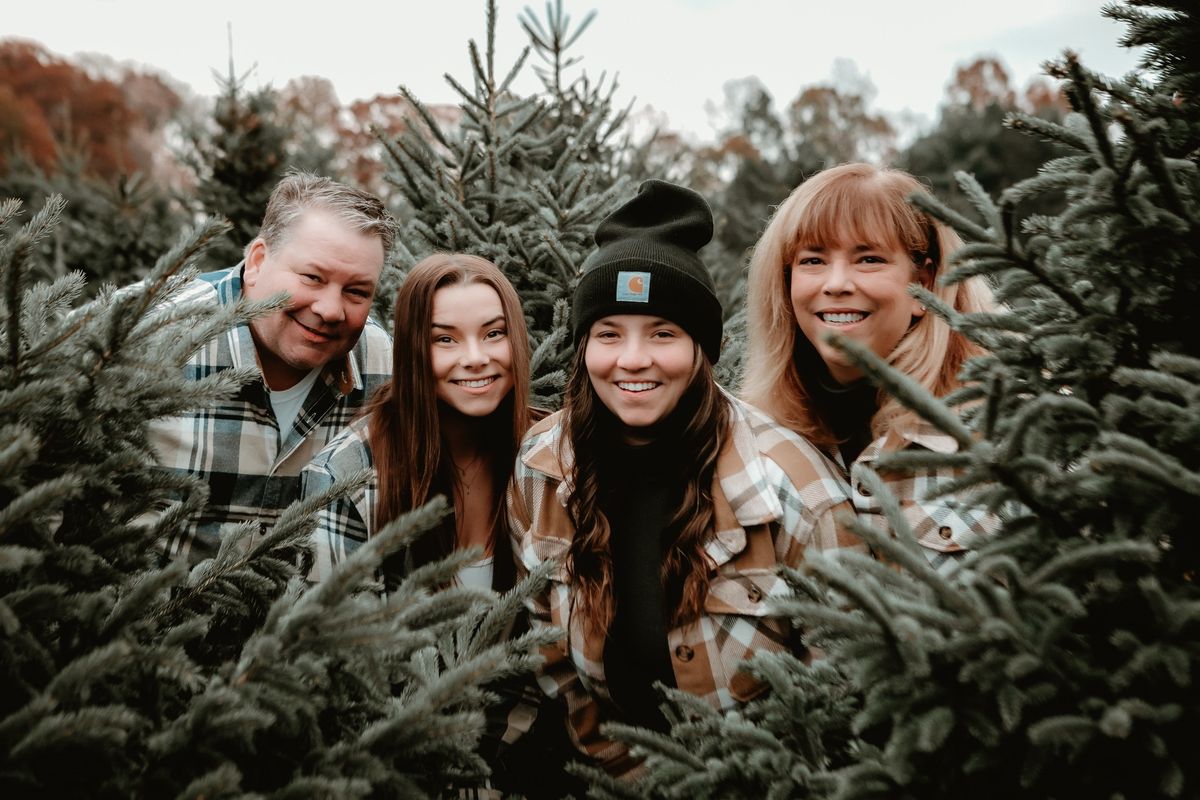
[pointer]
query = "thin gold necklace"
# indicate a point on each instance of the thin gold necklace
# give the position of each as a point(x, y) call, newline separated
point(473, 466)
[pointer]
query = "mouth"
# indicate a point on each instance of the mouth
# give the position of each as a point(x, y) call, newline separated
point(637, 387)
point(842, 317)
point(476, 383)
point(316, 333)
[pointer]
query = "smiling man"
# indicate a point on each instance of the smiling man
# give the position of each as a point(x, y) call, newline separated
point(319, 359)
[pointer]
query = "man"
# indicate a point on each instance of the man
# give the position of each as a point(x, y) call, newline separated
point(320, 358)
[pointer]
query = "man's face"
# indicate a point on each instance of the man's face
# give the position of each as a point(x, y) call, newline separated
point(330, 271)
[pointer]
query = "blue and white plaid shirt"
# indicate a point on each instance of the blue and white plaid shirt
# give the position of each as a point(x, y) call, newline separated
point(251, 467)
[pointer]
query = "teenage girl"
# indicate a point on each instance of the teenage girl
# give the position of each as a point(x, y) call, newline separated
point(447, 423)
point(666, 504)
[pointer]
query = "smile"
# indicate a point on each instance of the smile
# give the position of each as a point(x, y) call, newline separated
point(476, 383)
point(842, 317)
point(323, 335)
point(638, 386)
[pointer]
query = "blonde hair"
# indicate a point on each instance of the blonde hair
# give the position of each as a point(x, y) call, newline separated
point(858, 203)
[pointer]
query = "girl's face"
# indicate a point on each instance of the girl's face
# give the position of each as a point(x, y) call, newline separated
point(639, 366)
point(857, 290)
point(469, 351)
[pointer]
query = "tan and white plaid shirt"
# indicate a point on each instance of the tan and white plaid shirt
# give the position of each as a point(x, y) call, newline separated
point(946, 527)
point(775, 498)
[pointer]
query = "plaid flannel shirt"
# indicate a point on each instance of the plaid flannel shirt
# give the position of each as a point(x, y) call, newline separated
point(345, 523)
point(251, 467)
point(946, 527)
point(775, 498)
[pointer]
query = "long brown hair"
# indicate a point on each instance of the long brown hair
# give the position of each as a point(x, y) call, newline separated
point(408, 447)
point(862, 203)
point(589, 427)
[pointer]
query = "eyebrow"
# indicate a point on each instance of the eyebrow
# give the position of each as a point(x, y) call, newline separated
point(492, 321)
point(315, 267)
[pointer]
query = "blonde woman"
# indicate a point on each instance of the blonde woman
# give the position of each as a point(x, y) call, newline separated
point(839, 256)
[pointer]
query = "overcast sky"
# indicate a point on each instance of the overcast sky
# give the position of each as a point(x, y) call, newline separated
point(672, 55)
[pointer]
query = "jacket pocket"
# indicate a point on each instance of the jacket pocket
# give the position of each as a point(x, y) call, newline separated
point(944, 526)
point(744, 624)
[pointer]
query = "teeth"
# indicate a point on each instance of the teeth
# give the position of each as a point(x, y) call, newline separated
point(477, 384)
point(644, 386)
point(843, 317)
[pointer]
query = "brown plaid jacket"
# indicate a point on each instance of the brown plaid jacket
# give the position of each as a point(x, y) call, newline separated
point(946, 527)
point(776, 497)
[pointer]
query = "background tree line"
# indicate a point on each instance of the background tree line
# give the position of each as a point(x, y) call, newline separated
point(138, 156)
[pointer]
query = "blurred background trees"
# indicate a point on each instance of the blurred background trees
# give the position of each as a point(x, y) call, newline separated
point(114, 140)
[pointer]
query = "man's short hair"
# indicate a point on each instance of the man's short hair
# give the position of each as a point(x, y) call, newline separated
point(300, 191)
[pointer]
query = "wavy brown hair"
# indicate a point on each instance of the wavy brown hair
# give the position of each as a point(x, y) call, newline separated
point(410, 454)
point(858, 203)
point(590, 426)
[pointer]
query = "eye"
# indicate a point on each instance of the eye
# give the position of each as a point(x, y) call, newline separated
point(664, 333)
point(360, 294)
point(810, 263)
point(311, 278)
point(605, 335)
point(442, 338)
point(495, 333)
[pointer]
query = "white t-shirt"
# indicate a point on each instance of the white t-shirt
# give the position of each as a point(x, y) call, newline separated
point(477, 573)
point(287, 402)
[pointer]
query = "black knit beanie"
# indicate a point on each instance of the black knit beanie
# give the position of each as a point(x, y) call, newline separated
point(646, 262)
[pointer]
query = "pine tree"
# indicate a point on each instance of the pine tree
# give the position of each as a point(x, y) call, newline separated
point(121, 676)
point(521, 181)
point(237, 162)
point(113, 229)
point(1062, 658)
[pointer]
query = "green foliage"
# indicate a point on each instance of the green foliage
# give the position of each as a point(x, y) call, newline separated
point(122, 676)
point(237, 161)
point(1061, 658)
point(112, 229)
point(521, 181)
point(972, 140)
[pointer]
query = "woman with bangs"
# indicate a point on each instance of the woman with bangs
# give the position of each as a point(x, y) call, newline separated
point(449, 423)
point(666, 504)
point(838, 257)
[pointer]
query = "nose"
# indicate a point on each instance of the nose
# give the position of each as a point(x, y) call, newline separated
point(473, 354)
point(839, 278)
point(633, 356)
point(328, 305)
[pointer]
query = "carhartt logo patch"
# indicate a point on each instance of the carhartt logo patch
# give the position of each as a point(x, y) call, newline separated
point(633, 287)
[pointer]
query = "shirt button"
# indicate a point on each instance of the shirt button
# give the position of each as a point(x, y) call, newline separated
point(755, 594)
point(945, 532)
point(684, 653)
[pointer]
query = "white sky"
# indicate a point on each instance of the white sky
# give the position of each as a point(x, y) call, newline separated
point(673, 55)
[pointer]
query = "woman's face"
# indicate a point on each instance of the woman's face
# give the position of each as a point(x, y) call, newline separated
point(469, 351)
point(639, 367)
point(857, 290)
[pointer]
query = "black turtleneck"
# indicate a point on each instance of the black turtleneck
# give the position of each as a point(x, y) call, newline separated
point(641, 488)
point(846, 408)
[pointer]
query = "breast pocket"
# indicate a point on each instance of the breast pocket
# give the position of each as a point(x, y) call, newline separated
point(944, 525)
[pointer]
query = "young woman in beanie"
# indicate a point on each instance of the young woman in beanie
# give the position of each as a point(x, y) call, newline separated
point(839, 256)
point(666, 504)
point(449, 422)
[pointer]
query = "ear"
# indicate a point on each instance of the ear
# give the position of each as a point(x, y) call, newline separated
point(924, 279)
point(256, 254)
